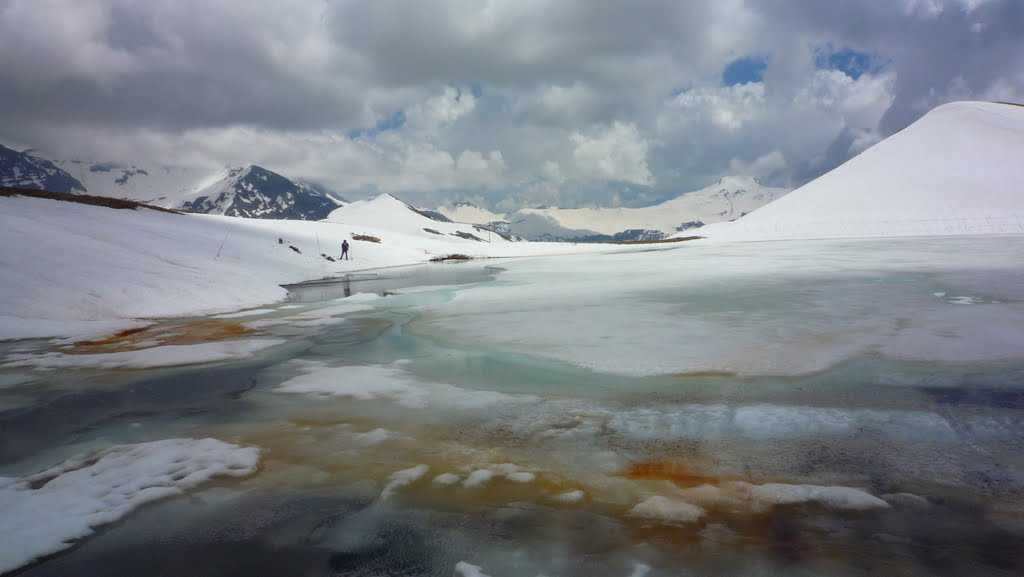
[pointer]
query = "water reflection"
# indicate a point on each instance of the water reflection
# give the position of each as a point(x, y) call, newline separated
point(392, 279)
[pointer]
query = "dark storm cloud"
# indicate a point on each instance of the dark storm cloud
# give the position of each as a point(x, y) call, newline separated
point(170, 66)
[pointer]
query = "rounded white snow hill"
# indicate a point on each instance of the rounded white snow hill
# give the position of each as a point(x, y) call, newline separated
point(957, 170)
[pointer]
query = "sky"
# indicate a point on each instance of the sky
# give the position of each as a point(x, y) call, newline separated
point(504, 103)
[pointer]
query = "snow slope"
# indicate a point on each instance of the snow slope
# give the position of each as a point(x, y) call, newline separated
point(70, 269)
point(387, 212)
point(957, 170)
point(151, 183)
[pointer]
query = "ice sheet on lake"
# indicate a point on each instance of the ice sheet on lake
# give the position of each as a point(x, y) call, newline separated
point(763, 421)
point(366, 382)
point(782, 309)
point(44, 513)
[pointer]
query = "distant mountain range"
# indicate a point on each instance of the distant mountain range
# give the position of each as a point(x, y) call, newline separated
point(256, 192)
point(251, 191)
point(728, 199)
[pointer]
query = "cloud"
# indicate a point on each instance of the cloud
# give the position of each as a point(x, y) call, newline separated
point(617, 153)
point(763, 166)
point(515, 102)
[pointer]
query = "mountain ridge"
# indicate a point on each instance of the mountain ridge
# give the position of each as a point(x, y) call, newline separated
point(256, 192)
point(727, 199)
point(26, 170)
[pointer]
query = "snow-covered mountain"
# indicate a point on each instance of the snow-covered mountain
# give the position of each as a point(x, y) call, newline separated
point(255, 192)
point(25, 170)
point(957, 170)
point(387, 212)
point(728, 199)
point(469, 212)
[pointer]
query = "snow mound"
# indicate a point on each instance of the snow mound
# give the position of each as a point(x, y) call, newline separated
point(403, 478)
point(957, 170)
point(46, 512)
point(739, 495)
point(844, 498)
point(667, 510)
point(569, 496)
point(463, 569)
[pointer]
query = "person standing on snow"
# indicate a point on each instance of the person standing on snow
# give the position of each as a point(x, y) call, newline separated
point(344, 250)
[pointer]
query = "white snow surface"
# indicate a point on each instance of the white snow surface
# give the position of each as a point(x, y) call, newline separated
point(46, 512)
point(957, 170)
point(659, 508)
point(739, 495)
point(69, 269)
point(402, 478)
point(392, 382)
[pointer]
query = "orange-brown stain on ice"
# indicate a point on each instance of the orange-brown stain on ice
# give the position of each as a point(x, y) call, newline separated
point(679, 473)
point(187, 333)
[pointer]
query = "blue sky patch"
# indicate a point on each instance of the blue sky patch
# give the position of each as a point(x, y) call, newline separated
point(846, 60)
point(745, 70)
point(392, 122)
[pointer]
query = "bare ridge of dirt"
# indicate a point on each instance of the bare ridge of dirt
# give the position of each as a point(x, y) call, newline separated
point(118, 203)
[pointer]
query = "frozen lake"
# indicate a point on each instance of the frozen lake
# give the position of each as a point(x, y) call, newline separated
point(845, 407)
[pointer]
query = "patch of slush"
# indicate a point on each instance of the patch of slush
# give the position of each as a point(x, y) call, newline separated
point(447, 479)
point(46, 512)
point(478, 478)
point(161, 356)
point(244, 314)
point(739, 495)
point(402, 478)
point(663, 509)
point(569, 496)
point(374, 437)
point(463, 569)
point(365, 382)
point(521, 477)
point(321, 316)
point(774, 421)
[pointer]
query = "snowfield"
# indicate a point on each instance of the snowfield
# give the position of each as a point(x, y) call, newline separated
point(72, 269)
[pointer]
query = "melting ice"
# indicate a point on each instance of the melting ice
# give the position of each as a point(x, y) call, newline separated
point(835, 407)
